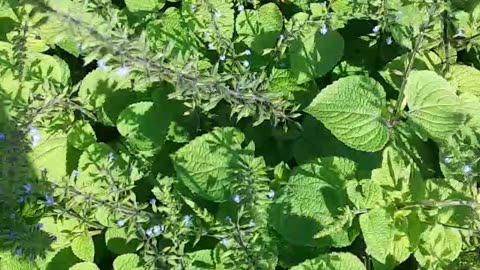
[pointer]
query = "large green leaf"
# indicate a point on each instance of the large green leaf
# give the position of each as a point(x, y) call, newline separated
point(84, 248)
point(259, 29)
point(203, 17)
point(439, 246)
point(129, 261)
point(312, 54)
point(433, 105)
point(332, 261)
point(84, 266)
point(49, 152)
point(351, 108)
point(204, 165)
point(466, 79)
point(378, 232)
point(119, 242)
point(81, 135)
point(144, 5)
point(313, 200)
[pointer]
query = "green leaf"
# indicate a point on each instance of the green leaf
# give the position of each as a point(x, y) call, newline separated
point(351, 108)
point(50, 153)
point(200, 260)
point(172, 27)
point(313, 200)
point(259, 29)
point(128, 261)
point(378, 231)
point(439, 246)
point(465, 79)
point(393, 73)
point(118, 243)
point(81, 135)
point(144, 5)
point(433, 105)
point(365, 194)
point(106, 94)
point(204, 165)
point(332, 261)
point(84, 266)
point(144, 124)
point(312, 54)
point(10, 262)
point(203, 17)
point(84, 248)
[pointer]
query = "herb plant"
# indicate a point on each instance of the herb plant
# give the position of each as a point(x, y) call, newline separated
point(235, 134)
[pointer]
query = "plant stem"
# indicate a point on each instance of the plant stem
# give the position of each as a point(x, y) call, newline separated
point(418, 42)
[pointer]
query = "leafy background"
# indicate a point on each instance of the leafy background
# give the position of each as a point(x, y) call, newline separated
point(221, 134)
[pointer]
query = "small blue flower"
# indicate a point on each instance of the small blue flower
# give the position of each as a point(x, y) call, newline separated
point(389, 41)
point(193, 8)
point(399, 13)
point(123, 71)
point(101, 65)
point(158, 229)
point(323, 4)
point(271, 194)
point(187, 220)
point(152, 201)
point(251, 224)
point(18, 252)
point(467, 170)
point(75, 173)
point(39, 226)
point(240, 8)
point(210, 46)
point(28, 189)
point(376, 29)
point(228, 219)
point(110, 157)
point(21, 200)
point(149, 232)
point(224, 242)
point(13, 215)
point(53, 238)
point(323, 29)
point(2, 136)
point(221, 58)
point(281, 38)
point(282, 65)
point(236, 198)
point(246, 64)
point(247, 52)
point(12, 235)
point(35, 136)
point(43, 171)
point(120, 223)
point(48, 201)
point(447, 160)
point(460, 33)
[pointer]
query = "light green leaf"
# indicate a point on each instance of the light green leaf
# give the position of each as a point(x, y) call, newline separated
point(81, 135)
point(106, 94)
point(312, 54)
point(332, 261)
point(10, 262)
point(144, 5)
point(378, 231)
point(259, 29)
point(204, 165)
point(393, 73)
point(84, 248)
point(84, 266)
point(351, 108)
point(202, 20)
point(433, 105)
point(117, 241)
point(313, 200)
point(439, 246)
point(200, 260)
point(465, 79)
point(50, 152)
point(365, 193)
point(128, 261)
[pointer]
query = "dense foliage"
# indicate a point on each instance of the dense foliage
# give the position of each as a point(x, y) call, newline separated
point(239, 134)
